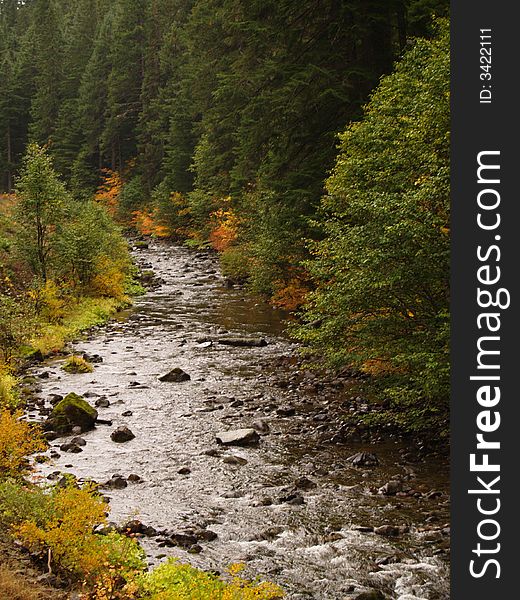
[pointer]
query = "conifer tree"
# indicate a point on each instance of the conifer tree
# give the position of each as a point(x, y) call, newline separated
point(46, 29)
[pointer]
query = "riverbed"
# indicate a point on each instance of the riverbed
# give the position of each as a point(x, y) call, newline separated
point(293, 508)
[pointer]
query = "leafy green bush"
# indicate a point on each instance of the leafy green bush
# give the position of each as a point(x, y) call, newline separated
point(22, 502)
point(382, 271)
point(176, 581)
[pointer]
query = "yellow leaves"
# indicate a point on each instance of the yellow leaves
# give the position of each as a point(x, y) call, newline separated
point(225, 228)
point(109, 191)
point(49, 301)
point(109, 280)
point(67, 534)
point(17, 440)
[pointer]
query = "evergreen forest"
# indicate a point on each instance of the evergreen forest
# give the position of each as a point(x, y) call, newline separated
point(305, 143)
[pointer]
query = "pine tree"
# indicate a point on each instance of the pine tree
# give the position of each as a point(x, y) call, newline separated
point(46, 29)
point(92, 108)
point(17, 77)
point(124, 82)
point(80, 36)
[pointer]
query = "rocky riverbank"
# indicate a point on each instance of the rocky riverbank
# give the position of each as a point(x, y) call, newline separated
point(214, 444)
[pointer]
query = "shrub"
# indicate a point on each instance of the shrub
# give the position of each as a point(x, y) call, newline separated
point(8, 394)
point(66, 535)
point(176, 581)
point(18, 439)
point(77, 364)
point(235, 264)
point(20, 502)
point(16, 325)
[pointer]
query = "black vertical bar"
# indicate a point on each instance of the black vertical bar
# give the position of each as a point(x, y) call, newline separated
point(485, 119)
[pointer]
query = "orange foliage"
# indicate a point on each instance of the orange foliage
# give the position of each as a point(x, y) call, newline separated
point(291, 294)
point(108, 192)
point(225, 229)
point(147, 223)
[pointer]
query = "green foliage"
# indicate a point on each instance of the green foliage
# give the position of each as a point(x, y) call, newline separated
point(176, 581)
point(20, 502)
point(86, 242)
point(9, 398)
point(382, 271)
point(42, 200)
point(17, 324)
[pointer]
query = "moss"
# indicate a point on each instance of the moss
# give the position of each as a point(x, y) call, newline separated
point(70, 412)
point(77, 364)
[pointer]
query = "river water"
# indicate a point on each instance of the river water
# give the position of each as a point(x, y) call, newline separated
point(294, 513)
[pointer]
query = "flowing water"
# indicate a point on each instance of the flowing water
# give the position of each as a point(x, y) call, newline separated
point(306, 535)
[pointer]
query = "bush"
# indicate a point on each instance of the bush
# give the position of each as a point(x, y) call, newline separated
point(16, 325)
point(8, 393)
point(65, 534)
point(21, 502)
point(94, 255)
point(235, 264)
point(176, 581)
point(18, 439)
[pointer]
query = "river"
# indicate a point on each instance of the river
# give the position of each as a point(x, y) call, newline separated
point(292, 508)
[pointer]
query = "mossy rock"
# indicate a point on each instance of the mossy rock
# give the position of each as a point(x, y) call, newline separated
point(72, 411)
point(77, 364)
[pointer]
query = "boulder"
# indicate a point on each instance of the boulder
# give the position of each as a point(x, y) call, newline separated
point(79, 441)
point(238, 437)
point(364, 459)
point(116, 483)
point(122, 434)
point(261, 426)
point(391, 488)
point(71, 412)
point(70, 447)
point(175, 376)
point(387, 530)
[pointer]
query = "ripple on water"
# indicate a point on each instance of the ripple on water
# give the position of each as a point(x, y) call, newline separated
point(311, 548)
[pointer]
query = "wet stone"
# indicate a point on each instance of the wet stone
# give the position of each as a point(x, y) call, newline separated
point(234, 460)
point(116, 483)
point(71, 448)
point(363, 459)
point(175, 376)
point(238, 437)
point(79, 441)
point(122, 434)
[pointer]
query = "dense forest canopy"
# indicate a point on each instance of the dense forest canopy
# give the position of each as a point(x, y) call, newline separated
point(217, 122)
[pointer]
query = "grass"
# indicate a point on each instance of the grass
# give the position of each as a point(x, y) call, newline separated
point(77, 364)
point(86, 313)
point(17, 586)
